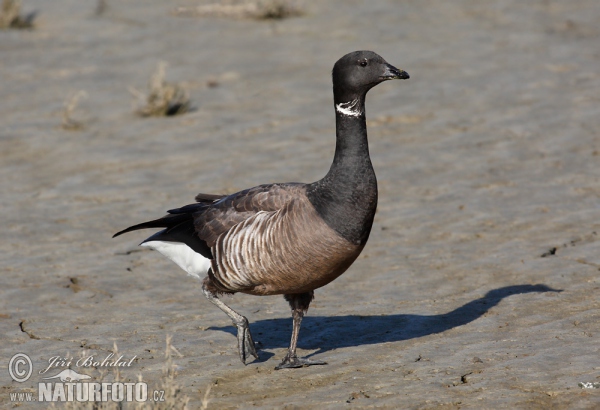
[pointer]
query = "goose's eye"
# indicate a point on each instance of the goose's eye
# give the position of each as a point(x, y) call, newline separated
point(363, 63)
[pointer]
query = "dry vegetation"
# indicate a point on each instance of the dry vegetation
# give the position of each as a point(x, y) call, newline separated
point(68, 114)
point(101, 7)
point(164, 98)
point(174, 398)
point(10, 15)
point(258, 10)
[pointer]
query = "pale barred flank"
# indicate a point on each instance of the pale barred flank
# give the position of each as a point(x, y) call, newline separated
point(284, 252)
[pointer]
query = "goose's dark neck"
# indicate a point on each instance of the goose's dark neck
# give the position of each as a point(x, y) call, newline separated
point(351, 146)
point(346, 198)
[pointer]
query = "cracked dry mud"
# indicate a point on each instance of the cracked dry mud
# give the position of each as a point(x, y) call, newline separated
point(479, 285)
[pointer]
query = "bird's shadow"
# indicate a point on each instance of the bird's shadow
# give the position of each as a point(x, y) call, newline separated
point(325, 333)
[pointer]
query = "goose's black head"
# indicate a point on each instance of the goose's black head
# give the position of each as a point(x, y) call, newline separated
point(358, 72)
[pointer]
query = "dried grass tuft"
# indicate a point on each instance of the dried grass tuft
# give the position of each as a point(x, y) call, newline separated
point(10, 15)
point(174, 398)
point(256, 10)
point(70, 106)
point(205, 399)
point(101, 7)
point(164, 99)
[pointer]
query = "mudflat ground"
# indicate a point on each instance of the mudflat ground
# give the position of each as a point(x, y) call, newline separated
point(479, 287)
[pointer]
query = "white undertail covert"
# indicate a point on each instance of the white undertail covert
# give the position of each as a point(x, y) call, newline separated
point(185, 257)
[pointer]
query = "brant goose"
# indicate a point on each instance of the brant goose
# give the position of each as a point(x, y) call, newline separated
point(285, 239)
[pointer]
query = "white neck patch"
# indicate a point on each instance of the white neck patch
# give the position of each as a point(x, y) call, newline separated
point(351, 108)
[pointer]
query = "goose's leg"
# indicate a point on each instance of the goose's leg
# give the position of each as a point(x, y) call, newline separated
point(299, 304)
point(245, 342)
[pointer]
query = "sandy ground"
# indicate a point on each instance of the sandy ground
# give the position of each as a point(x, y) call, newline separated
point(488, 166)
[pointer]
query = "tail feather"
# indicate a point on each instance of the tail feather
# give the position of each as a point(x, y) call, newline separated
point(167, 221)
point(183, 232)
point(179, 227)
point(208, 198)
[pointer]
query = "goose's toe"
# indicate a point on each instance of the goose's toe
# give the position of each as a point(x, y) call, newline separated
point(245, 343)
point(292, 362)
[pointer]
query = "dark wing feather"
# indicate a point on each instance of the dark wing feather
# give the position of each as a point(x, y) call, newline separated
point(179, 226)
point(227, 212)
point(199, 225)
point(177, 216)
point(208, 198)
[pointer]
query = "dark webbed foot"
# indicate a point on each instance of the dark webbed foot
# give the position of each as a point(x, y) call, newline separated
point(292, 362)
point(245, 342)
point(299, 304)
